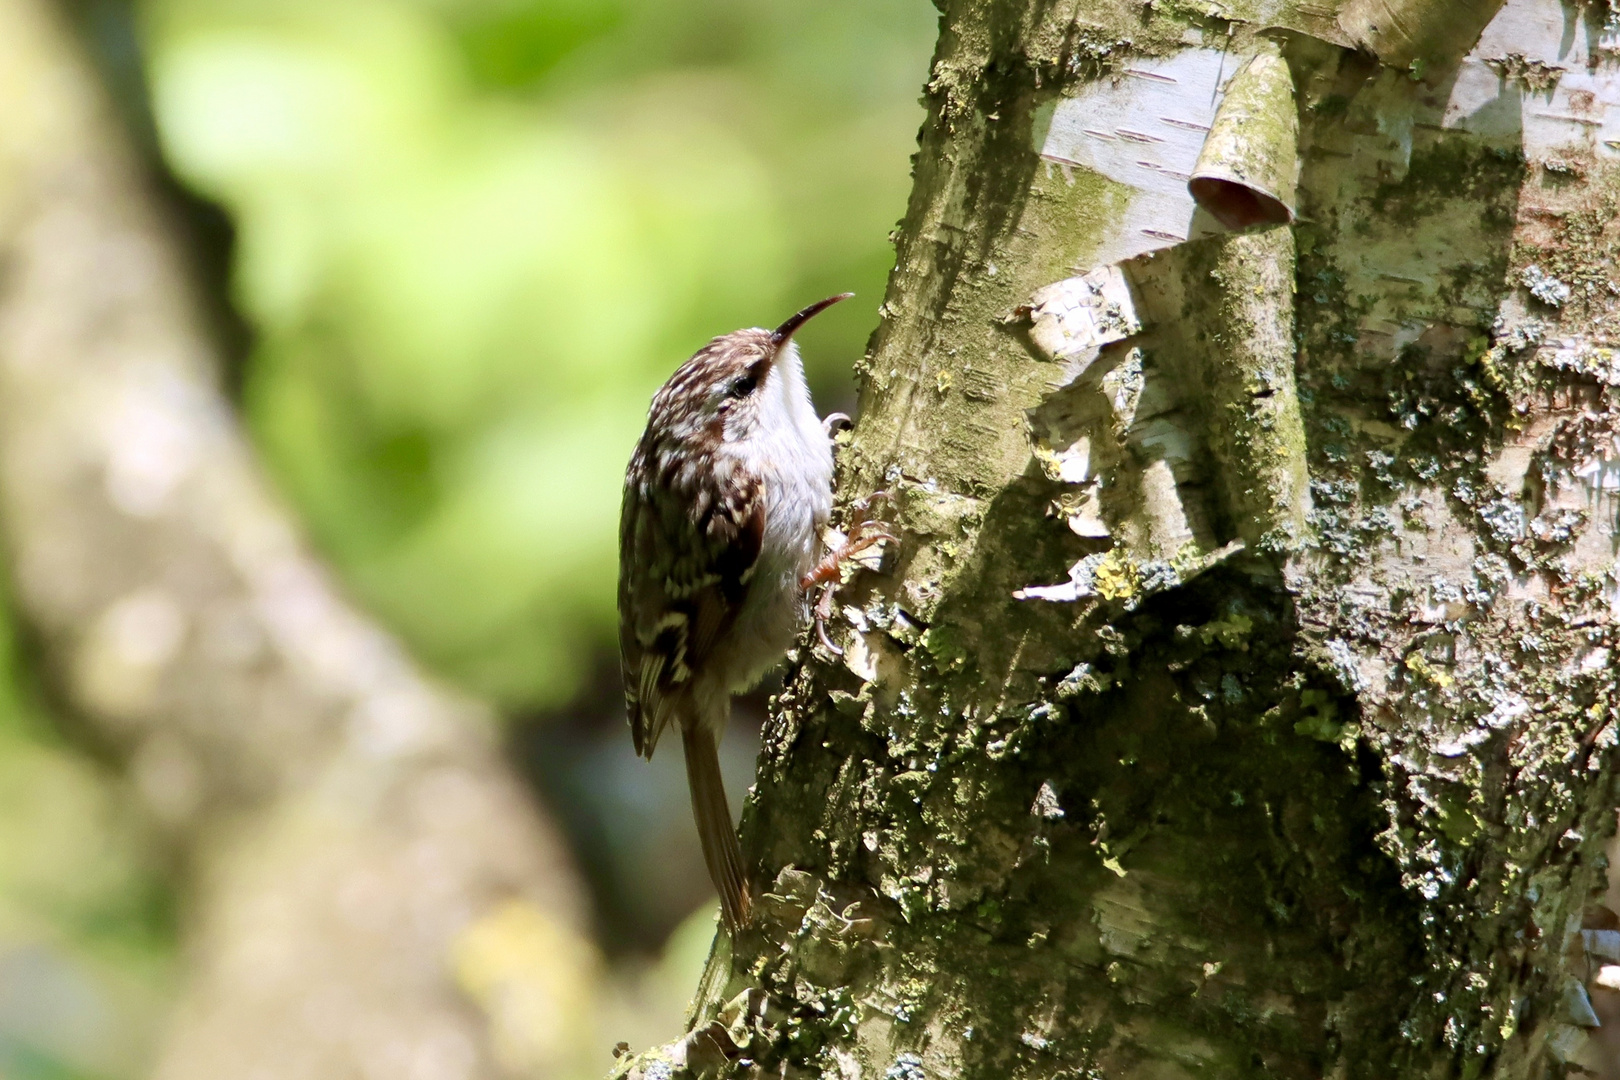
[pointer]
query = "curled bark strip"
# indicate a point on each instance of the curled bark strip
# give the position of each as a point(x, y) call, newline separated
point(1249, 165)
point(1430, 33)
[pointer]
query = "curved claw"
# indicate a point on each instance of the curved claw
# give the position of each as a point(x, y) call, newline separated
point(863, 534)
point(821, 634)
point(864, 503)
point(867, 534)
point(836, 422)
point(823, 613)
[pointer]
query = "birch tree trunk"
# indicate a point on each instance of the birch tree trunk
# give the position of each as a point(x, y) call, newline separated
point(1237, 701)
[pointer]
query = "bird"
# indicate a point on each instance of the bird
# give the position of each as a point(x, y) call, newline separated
point(725, 498)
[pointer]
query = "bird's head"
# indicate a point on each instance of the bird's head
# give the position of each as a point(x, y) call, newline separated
point(727, 387)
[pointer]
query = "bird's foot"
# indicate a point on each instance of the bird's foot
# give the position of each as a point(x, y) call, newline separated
point(864, 535)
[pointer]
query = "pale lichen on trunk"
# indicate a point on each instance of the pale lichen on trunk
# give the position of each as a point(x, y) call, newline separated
point(1238, 699)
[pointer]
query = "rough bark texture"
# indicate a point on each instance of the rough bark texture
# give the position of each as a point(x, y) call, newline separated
point(1097, 790)
point(372, 893)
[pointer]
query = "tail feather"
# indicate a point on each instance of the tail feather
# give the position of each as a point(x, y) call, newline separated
point(720, 848)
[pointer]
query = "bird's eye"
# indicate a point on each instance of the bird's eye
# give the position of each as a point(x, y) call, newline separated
point(742, 386)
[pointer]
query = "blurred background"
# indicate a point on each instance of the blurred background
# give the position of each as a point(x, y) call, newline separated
point(336, 331)
point(447, 250)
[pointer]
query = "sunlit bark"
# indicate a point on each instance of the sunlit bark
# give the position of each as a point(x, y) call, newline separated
point(1238, 700)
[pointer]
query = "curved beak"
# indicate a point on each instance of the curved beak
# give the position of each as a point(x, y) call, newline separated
point(782, 334)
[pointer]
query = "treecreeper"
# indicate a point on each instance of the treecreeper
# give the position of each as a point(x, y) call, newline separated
point(725, 499)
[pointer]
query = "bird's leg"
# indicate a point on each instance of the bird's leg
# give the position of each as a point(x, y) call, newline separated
point(822, 614)
point(864, 534)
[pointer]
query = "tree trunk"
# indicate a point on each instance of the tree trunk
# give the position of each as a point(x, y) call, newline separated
point(1237, 701)
point(372, 893)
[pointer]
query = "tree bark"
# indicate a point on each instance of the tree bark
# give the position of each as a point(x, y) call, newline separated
point(372, 893)
point(1237, 701)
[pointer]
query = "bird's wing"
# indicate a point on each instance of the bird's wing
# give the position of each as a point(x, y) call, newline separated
point(688, 544)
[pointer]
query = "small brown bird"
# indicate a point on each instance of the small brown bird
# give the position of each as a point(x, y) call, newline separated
point(724, 501)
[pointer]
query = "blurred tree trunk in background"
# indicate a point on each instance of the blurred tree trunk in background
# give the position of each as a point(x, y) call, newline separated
point(371, 893)
point(1239, 699)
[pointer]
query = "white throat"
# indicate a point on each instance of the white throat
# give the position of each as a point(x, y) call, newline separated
point(787, 396)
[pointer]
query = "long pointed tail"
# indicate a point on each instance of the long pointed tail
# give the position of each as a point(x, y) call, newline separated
point(720, 848)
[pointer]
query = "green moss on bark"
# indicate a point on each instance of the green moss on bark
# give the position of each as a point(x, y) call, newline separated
point(1330, 806)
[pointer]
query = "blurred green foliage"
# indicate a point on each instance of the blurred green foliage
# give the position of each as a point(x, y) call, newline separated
point(475, 235)
point(86, 935)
